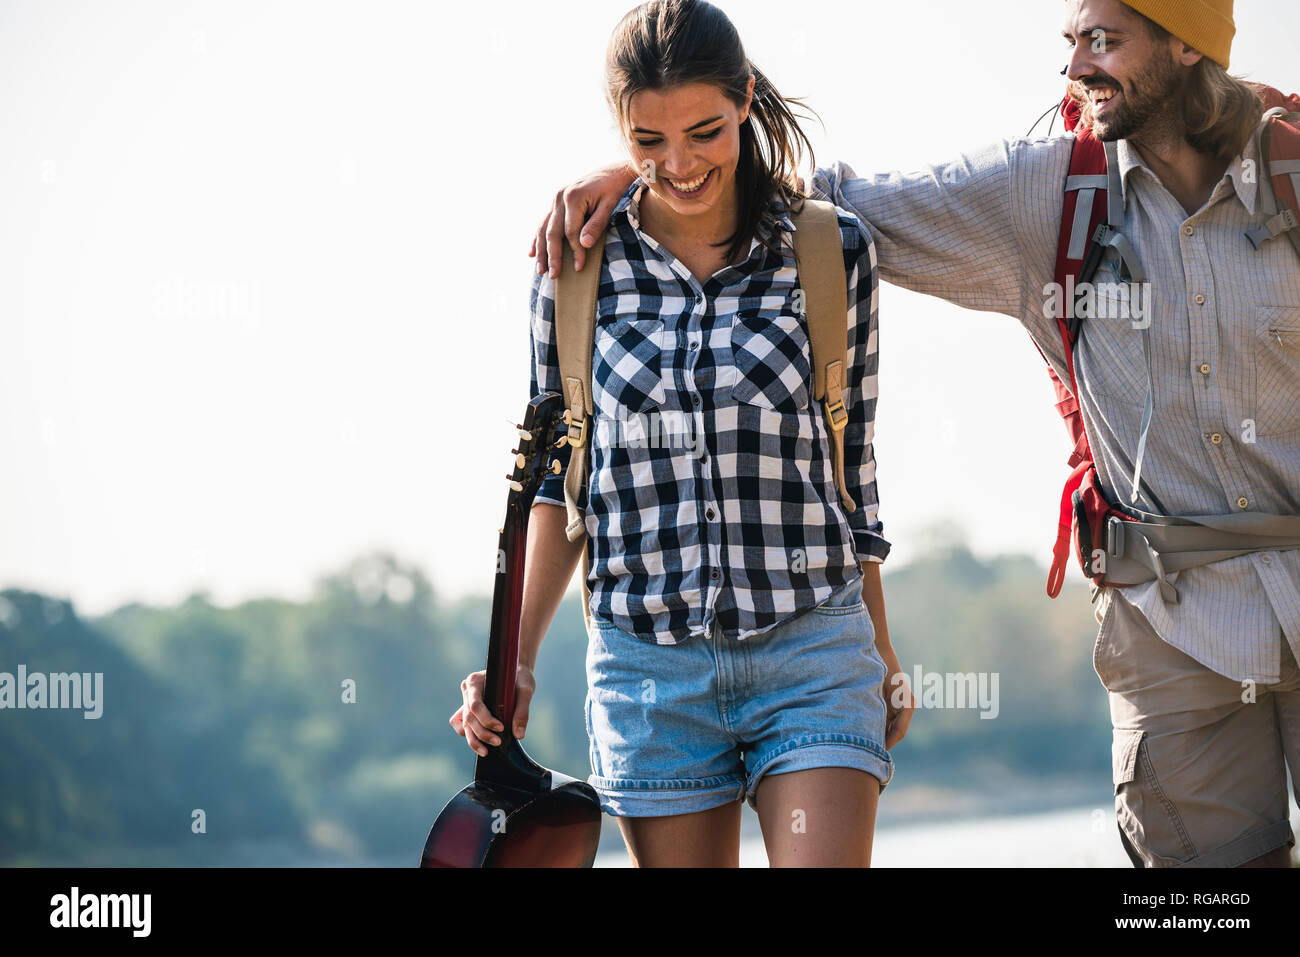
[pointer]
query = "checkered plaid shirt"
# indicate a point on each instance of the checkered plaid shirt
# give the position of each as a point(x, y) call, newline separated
point(712, 507)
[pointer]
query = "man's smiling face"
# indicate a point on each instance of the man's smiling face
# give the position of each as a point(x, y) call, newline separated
point(1128, 77)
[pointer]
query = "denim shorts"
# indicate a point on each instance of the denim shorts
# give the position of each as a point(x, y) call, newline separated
point(681, 728)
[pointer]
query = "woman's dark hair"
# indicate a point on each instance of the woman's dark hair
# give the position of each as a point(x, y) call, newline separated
point(665, 43)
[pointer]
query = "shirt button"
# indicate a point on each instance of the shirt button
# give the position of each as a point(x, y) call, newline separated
point(1217, 438)
point(695, 399)
point(1189, 230)
point(1200, 299)
point(694, 346)
point(1268, 560)
point(1205, 368)
point(1243, 502)
point(714, 574)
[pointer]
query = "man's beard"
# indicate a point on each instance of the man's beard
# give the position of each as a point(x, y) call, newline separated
point(1150, 103)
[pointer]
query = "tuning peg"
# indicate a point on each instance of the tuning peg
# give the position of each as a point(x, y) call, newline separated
point(520, 461)
point(556, 468)
point(525, 434)
point(518, 487)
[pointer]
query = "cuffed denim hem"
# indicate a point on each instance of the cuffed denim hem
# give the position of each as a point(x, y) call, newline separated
point(627, 797)
point(830, 750)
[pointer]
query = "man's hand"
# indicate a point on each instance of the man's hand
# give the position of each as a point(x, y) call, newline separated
point(590, 200)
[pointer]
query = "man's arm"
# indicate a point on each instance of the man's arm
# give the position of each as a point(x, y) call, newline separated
point(590, 201)
point(979, 231)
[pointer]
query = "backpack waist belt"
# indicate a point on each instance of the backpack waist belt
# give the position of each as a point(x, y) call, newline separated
point(1153, 546)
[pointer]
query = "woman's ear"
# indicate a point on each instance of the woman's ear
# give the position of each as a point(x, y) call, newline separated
point(749, 98)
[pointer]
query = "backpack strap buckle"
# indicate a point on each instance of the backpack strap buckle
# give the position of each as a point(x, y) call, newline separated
point(577, 436)
point(836, 414)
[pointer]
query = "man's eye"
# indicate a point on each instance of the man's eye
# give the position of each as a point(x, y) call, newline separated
point(705, 137)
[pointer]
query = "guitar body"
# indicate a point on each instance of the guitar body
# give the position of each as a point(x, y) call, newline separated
point(516, 813)
point(492, 825)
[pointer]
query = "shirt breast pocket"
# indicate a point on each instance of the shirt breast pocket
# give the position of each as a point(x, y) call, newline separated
point(627, 373)
point(771, 357)
point(1277, 370)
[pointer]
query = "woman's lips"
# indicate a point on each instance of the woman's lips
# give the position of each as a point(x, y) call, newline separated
point(704, 184)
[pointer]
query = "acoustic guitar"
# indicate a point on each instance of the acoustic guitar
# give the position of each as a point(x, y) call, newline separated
point(516, 813)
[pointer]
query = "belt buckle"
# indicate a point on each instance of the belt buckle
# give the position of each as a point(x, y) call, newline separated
point(1115, 537)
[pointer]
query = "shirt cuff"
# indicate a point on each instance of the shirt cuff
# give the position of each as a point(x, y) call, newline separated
point(871, 546)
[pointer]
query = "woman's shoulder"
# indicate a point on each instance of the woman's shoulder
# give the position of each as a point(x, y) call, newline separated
point(855, 238)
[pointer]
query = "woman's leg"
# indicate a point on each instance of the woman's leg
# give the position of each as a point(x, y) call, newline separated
point(818, 817)
point(701, 839)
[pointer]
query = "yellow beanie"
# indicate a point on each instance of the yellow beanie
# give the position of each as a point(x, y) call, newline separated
point(1204, 24)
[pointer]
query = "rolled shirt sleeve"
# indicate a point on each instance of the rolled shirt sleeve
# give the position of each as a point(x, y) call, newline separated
point(862, 390)
point(546, 378)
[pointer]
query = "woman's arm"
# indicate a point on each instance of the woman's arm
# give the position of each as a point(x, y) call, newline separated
point(550, 556)
point(899, 703)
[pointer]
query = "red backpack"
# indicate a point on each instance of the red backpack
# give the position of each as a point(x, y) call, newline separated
point(1089, 226)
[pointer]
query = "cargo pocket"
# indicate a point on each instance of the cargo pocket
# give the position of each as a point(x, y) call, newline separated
point(1146, 815)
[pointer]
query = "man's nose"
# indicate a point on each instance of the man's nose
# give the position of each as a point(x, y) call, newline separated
point(1080, 64)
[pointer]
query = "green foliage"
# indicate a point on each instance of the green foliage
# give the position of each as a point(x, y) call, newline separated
point(240, 711)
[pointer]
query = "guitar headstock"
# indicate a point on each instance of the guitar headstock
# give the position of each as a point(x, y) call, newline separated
point(531, 457)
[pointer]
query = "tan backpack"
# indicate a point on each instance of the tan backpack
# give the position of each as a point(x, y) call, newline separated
point(819, 253)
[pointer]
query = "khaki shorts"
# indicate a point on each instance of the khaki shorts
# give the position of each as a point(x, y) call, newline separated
point(1200, 773)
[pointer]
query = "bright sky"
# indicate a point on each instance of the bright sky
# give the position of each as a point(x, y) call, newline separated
point(264, 273)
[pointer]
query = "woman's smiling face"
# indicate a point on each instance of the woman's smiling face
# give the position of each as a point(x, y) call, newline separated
point(685, 140)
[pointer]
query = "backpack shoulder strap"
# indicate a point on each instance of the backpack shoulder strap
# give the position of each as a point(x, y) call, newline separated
point(819, 255)
point(1279, 182)
point(575, 330)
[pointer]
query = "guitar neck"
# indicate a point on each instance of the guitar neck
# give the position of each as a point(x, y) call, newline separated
point(507, 606)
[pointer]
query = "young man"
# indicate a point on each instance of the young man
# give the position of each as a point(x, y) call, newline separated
point(1191, 400)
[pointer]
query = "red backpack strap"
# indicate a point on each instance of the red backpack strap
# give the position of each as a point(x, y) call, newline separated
point(1279, 141)
point(1085, 210)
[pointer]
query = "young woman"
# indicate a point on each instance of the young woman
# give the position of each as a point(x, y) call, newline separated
point(738, 648)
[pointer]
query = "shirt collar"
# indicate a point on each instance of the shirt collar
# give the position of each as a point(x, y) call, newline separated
point(629, 208)
point(1242, 172)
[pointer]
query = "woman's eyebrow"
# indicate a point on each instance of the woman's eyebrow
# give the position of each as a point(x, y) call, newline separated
point(638, 129)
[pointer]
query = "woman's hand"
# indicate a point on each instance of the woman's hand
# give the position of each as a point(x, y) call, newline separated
point(590, 200)
point(899, 702)
point(476, 724)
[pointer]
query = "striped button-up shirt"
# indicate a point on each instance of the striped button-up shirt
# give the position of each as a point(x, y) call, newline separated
point(982, 232)
point(712, 507)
